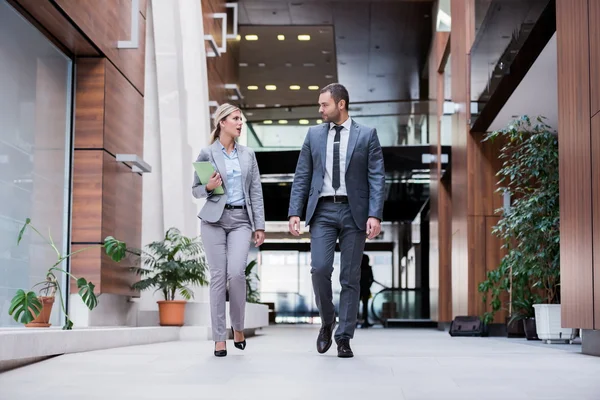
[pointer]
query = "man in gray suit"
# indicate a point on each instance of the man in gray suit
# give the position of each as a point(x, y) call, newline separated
point(341, 174)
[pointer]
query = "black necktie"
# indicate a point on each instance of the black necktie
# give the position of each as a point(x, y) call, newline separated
point(335, 180)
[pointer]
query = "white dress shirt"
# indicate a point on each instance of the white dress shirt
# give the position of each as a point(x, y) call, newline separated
point(344, 137)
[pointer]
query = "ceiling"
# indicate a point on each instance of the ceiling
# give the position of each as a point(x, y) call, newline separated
point(534, 96)
point(377, 49)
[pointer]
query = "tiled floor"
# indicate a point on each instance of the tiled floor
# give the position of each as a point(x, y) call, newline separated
point(282, 363)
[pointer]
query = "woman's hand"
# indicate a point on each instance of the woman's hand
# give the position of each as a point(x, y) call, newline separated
point(259, 238)
point(214, 182)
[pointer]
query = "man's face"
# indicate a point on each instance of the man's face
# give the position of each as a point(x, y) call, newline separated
point(330, 112)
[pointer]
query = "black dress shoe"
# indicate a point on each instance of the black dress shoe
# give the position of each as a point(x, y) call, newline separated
point(240, 345)
point(324, 339)
point(344, 350)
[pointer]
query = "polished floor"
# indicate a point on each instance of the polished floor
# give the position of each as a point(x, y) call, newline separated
point(281, 363)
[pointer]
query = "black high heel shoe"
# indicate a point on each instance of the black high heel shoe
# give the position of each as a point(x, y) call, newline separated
point(240, 345)
point(220, 353)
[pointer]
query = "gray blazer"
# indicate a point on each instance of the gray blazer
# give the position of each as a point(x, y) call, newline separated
point(215, 204)
point(365, 174)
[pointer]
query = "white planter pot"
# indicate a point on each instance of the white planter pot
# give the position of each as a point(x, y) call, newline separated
point(548, 324)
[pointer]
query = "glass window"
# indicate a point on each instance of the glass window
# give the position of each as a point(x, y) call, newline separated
point(35, 153)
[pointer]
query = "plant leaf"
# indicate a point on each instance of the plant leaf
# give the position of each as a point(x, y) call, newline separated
point(114, 248)
point(25, 307)
point(86, 291)
point(22, 231)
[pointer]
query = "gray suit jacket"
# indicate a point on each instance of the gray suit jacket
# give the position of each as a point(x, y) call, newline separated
point(215, 204)
point(365, 174)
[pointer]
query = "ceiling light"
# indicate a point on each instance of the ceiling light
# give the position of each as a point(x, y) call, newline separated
point(238, 38)
point(325, 51)
point(295, 87)
point(262, 65)
point(328, 76)
point(319, 121)
point(251, 38)
point(304, 38)
point(288, 64)
point(243, 64)
point(309, 64)
point(249, 114)
point(283, 121)
point(271, 87)
point(280, 37)
point(252, 87)
point(304, 122)
point(267, 122)
point(313, 87)
point(277, 105)
point(260, 106)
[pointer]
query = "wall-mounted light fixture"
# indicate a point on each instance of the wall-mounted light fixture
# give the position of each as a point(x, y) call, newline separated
point(136, 163)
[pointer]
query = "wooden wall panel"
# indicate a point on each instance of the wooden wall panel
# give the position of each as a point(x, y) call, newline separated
point(594, 17)
point(575, 164)
point(121, 202)
point(121, 218)
point(124, 115)
point(87, 196)
point(595, 139)
point(107, 24)
point(221, 70)
point(46, 17)
point(440, 214)
point(461, 38)
point(90, 98)
point(87, 264)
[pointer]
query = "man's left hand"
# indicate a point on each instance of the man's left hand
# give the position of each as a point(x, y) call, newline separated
point(373, 227)
point(259, 238)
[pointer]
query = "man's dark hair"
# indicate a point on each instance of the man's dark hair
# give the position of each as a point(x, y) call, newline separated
point(338, 92)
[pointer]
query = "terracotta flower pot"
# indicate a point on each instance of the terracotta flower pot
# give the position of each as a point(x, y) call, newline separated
point(172, 312)
point(42, 320)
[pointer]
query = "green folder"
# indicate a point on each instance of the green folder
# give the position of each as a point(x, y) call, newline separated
point(204, 170)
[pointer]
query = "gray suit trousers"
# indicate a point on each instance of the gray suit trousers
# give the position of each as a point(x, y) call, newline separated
point(330, 222)
point(227, 243)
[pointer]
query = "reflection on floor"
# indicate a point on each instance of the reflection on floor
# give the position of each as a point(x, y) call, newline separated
point(281, 363)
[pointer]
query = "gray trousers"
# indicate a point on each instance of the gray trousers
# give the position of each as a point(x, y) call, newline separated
point(227, 243)
point(330, 222)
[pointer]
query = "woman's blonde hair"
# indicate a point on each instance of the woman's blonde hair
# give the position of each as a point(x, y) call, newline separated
point(221, 114)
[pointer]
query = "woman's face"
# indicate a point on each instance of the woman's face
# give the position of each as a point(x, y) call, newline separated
point(232, 125)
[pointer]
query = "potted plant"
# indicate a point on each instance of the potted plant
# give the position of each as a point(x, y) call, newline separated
point(170, 266)
point(252, 293)
point(34, 309)
point(530, 271)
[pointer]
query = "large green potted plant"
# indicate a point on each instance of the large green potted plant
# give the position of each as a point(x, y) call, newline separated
point(34, 309)
point(252, 293)
point(171, 266)
point(530, 271)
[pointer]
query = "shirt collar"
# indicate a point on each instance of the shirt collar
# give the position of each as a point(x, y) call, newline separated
point(347, 124)
point(223, 147)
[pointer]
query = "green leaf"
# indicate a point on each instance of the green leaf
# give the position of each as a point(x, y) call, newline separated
point(68, 325)
point(22, 231)
point(25, 307)
point(86, 291)
point(114, 248)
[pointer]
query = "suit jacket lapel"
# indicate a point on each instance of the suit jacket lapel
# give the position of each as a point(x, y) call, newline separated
point(354, 130)
point(324, 146)
point(217, 153)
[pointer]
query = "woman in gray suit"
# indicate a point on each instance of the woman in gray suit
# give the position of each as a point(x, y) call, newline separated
point(228, 221)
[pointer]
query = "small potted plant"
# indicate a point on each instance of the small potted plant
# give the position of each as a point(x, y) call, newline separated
point(171, 266)
point(252, 293)
point(34, 310)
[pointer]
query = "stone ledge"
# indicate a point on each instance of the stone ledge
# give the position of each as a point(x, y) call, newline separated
point(31, 343)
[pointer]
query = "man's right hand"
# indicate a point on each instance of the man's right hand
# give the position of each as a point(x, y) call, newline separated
point(214, 182)
point(294, 226)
